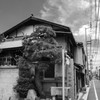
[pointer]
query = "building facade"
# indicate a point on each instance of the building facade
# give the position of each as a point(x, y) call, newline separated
point(80, 66)
point(11, 49)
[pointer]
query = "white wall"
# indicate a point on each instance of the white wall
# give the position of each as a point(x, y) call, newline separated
point(27, 30)
point(78, 56)
point(7, 81)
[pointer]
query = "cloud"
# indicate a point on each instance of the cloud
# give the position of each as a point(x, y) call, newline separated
point(72, 13)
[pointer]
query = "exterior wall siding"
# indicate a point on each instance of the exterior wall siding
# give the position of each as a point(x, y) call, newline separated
point(25, 30)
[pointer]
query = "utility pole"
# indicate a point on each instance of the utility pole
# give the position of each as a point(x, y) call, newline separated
point(86, 46)
point(87, 73)
point(63, 75)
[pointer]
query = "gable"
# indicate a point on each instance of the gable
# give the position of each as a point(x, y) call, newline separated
point(22, 31)
point(37, 21)
point(26, 28)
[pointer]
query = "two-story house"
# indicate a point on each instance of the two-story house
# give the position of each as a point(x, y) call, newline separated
point(11, 48)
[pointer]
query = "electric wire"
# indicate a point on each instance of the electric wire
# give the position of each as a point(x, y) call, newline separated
point(97, 28)
point(98, 25)
point(94, 43)
point(95, 19)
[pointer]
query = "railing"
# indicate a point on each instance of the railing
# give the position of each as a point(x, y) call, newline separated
point(12, 39)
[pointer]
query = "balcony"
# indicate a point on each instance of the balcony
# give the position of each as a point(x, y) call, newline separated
point(10, 44)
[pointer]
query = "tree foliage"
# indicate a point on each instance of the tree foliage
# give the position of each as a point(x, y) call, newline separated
point(40, 49)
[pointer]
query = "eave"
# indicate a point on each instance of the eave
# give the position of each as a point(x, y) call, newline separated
point(79, 65)
point(37, 21)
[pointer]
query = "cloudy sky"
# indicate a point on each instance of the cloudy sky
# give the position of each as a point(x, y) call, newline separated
point(72, 13)
point(14, 11)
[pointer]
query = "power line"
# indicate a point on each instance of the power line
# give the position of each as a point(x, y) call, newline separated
point(97, 28)
point(96, 41)
point(99, 23)
point(95, 18)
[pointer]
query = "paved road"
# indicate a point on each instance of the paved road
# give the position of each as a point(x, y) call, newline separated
point(94, 93)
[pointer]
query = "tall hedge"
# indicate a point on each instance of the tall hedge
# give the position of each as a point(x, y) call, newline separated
point(40, 49)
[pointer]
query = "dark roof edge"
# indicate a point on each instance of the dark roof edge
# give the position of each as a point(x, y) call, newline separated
point(37, 19)
point(79, 65)
point(56, 24)
point(19, 24)
point(80, 44)
point(74, 40)
point(41, 20)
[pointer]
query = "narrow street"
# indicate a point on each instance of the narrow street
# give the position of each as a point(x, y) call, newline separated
point(94, 93)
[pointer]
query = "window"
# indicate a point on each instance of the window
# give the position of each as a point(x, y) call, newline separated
point(49, 73)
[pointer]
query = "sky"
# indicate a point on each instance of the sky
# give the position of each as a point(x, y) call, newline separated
point(72, 13)
point(13, 12)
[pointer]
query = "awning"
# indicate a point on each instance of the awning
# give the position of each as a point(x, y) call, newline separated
point(10, 44)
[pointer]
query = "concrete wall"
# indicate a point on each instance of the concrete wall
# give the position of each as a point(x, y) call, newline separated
point(8, 79)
